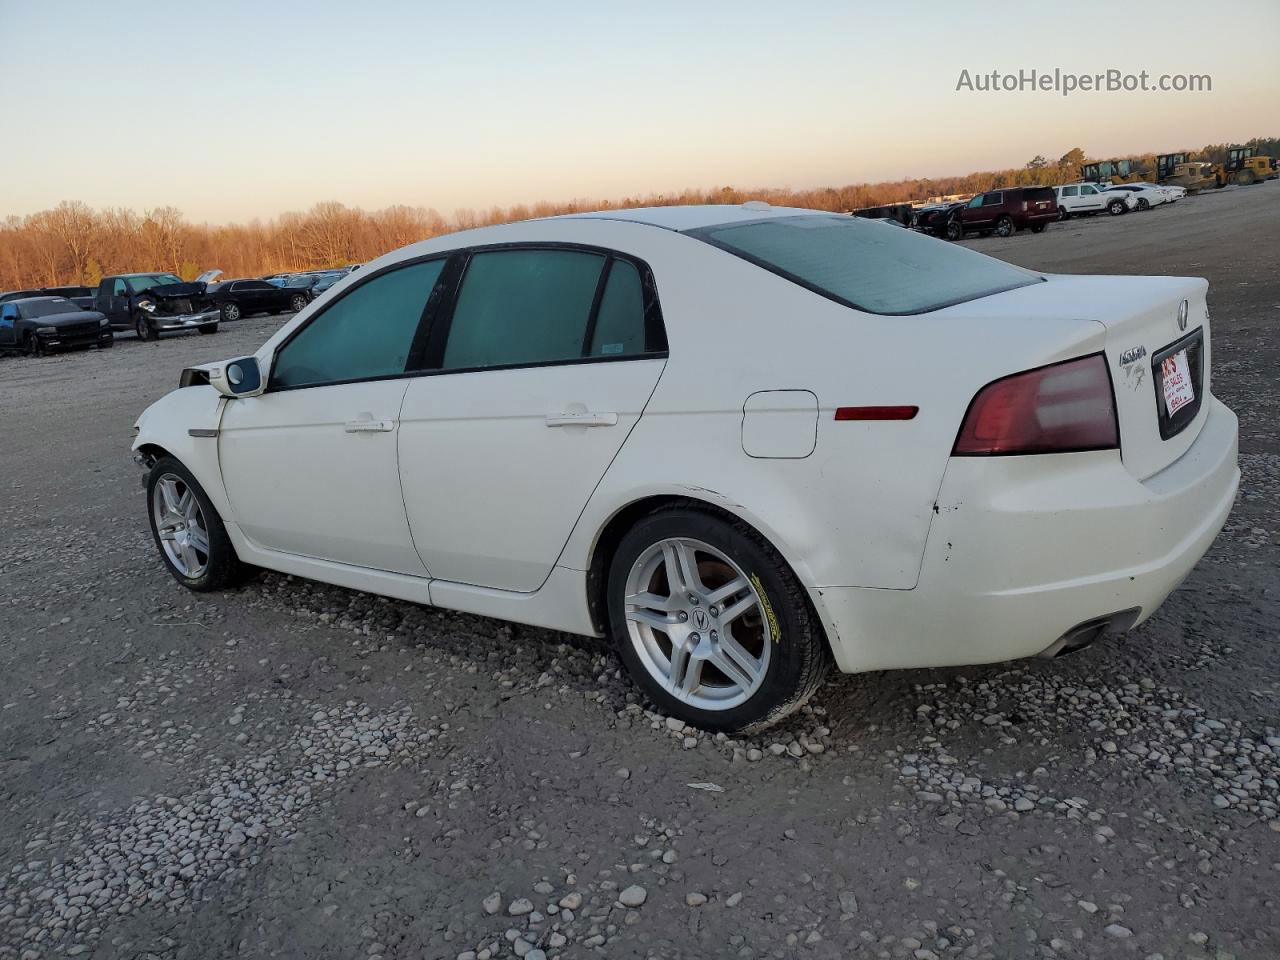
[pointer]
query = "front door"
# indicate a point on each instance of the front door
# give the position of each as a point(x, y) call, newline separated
point(542, 369)
point(310, 466)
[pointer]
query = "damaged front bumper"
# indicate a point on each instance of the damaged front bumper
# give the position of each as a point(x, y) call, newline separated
point(187, 321)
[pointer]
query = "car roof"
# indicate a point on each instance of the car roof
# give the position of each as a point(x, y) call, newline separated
point(35, 299)
point(694, 216)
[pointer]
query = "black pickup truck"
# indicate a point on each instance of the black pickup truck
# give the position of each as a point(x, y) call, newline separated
point(150, 304)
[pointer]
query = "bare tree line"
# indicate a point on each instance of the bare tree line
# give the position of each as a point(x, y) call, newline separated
point(73, 243)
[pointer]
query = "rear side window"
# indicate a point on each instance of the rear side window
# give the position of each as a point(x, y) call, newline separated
point(1070, 191)
point(520, 307)
point(992, 199)
point(620, 327)
point(365, 335)
point(865, 266)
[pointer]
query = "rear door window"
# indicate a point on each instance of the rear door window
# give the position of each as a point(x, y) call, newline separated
point(1070, 191)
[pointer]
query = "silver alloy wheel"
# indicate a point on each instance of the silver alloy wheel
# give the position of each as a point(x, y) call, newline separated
point(697, 624)
point(230, 311)
point(298, 302)
point(180, 525)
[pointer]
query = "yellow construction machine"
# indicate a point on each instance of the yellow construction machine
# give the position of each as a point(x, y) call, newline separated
point(1111, 171)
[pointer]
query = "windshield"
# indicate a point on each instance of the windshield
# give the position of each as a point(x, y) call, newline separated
point(47, 308)
point(139, 284)
point(865, 266)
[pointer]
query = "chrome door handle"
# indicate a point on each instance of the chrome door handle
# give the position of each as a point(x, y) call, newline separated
point(369, 426)
point(582, 420)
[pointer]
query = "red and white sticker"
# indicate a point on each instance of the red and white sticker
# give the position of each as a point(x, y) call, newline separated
point(1175, 373)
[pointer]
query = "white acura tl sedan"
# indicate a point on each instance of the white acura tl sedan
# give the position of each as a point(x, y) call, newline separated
point(743, 442)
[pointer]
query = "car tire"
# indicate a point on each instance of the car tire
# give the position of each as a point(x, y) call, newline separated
point(221, 567)
point(1116, 207)
point(1064, 213)
point(1143, 204)
point(209, 328)
point(142, 327)
point(953, 230)
point(1004, 227)
point(32, 346)
point(106, 346)
point(297, 303)
point(231, 311)
point(773, 653)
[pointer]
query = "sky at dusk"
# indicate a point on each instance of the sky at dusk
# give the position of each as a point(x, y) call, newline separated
point(250, 109)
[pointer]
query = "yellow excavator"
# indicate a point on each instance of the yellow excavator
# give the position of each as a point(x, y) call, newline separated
point(1111, 171)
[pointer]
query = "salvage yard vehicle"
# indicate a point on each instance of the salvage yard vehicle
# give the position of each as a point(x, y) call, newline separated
point(744, 442)
point(150, 304)
point(1003, 212)
point(240, 298)
point(1145, 195)
point(40, 325)
point(932, 219)
point(1074, 199)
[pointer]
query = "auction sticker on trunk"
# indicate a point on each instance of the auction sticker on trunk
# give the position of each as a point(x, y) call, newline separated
point(1175, 374)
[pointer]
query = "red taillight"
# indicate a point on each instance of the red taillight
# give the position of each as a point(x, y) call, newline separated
point(1055, 409)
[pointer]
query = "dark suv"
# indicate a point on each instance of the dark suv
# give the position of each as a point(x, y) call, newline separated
point(1004, 211)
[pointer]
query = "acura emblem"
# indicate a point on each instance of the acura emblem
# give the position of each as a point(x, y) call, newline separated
point(1183, 309)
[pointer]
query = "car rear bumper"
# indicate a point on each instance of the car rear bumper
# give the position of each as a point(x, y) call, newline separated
point(1025, 551)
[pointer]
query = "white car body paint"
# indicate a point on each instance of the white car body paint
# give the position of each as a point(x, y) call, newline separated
point(912, 557)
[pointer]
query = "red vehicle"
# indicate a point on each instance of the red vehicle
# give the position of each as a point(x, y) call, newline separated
point(1003, 212)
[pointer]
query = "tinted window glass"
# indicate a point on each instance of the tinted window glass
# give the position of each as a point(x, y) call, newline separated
point(1070, 191)
point(521, 307)
point(992, 199)
point(47, 308)
point(867, 266)
point(620, 324)
point(366, 334)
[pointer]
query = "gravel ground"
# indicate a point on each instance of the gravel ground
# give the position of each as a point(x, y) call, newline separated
point(297, 770)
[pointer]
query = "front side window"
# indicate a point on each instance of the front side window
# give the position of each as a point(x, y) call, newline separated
point(865, 266)
point(521, 307)
point(118, 288)
point(365, 335)
point(1086, 191)
point(976, 201)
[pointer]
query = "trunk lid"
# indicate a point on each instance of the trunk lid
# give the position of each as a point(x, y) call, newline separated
point(1141, 317)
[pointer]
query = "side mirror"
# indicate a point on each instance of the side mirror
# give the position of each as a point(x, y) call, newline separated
point(237, 378)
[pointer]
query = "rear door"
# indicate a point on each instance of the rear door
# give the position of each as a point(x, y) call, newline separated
point(543, 363)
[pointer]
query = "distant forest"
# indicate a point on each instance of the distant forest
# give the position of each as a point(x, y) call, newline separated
point(73, 243)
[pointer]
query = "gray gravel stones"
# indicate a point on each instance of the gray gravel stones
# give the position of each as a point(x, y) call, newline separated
point(633, 896)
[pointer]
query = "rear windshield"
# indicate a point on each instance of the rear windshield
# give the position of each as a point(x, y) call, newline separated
point(874, 267)
point(1036, 194)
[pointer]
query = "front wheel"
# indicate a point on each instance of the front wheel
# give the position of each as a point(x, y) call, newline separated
point(711, 622)
point(1144, 203)
point(188, 531)
point(32, 345)
point(142, 327)
point(953, 230)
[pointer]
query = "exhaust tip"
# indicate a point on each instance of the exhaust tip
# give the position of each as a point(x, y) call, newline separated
point(1086, 634)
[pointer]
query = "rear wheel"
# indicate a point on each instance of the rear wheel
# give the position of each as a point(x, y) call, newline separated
point(1064, 213)
point(188, 531)
point(231, 311)
point(1115, 207)
point(711, 623)
point(1004, 227)
point(297, 302)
